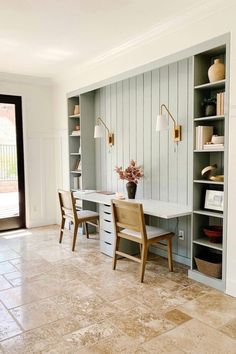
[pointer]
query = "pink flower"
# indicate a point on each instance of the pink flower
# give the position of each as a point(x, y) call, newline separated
point(132, 173)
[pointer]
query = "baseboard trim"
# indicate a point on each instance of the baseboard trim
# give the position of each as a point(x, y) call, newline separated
point(176, 257)
point(231, 288)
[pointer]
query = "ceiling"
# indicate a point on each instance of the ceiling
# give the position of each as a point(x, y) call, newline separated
point(43, 38)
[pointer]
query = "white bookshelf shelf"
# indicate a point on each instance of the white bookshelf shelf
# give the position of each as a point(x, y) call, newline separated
point(79, 172)
point(207, 182)
point(209, 213)
point(75, 154)
point(210, 150)
point(205, 242)
point(74, 116)
point(209, 118)
point(211, 85)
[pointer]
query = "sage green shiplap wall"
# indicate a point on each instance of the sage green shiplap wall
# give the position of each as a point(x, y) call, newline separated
point(129, 108)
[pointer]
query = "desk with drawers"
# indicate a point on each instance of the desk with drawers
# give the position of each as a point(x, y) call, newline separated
point(151, 207)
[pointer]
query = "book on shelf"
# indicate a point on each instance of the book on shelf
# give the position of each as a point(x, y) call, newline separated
point(220, 104)
point(203, 134)
point(76, 182)
point(213, 146)
point(75, 132)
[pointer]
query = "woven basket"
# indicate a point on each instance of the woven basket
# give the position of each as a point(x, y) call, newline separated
point(212, 267)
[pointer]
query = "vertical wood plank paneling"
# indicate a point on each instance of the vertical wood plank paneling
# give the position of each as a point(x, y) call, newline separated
point(126, 124)
point(108, 166)
point(130, 108)
point(164, 138)
point(140, 129)
point(119, 129)
point(99, 163)
point(133, 118)
point(147, 153)
point(155, 150)
point(103, 140)
point(183, 164)
point(173, 147)
point(113, 97)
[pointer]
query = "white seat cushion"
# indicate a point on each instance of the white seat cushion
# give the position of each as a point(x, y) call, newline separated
point(151, 232)
point(87, 214)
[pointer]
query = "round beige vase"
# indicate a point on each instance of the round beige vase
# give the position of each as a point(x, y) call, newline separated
point(216, 71)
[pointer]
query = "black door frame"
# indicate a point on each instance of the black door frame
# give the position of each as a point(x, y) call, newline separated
point(17, 222)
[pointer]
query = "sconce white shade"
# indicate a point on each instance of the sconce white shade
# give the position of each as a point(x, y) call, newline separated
point(98, 132)
point(162, 123)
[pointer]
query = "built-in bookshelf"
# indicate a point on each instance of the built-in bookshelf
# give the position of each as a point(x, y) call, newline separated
point(81, 145)
point(204, 126)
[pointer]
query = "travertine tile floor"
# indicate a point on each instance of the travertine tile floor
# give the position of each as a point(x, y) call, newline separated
point(56, 301)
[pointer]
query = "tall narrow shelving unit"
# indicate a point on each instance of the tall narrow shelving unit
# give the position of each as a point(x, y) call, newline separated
point(82, 145)
point(202, 217)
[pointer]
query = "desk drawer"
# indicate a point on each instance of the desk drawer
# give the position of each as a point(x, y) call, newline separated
point(106, 248)
point(105, 215)
point(107, 225)
point(107, 236)
point(106, 208)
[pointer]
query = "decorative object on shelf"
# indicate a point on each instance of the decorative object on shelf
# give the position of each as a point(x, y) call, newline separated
point(209, 106)
point(207, 171)
point(216, 72)
point(80, 150)
point(217, 139)
point(162, 123)
point(78, 166)
point(98, 133)
point(217, 178)
point(214, 233)
point(210, 264)
point(77, 127)
point(214, 200)
point(77, 109)
point(132, 174)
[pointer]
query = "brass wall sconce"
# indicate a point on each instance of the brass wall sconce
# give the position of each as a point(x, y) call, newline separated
point(162, 123)
point(98, 132)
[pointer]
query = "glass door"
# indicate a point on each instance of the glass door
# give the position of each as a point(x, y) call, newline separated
point(12, 191)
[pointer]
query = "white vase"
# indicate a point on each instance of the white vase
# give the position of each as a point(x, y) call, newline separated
point(216, 71)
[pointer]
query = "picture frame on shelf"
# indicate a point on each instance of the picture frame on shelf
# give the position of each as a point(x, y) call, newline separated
point(214, 200)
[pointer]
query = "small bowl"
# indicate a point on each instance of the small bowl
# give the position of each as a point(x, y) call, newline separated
point(216, 139)
point(214, 232)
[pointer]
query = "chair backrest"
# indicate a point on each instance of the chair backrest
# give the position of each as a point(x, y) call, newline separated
point(67, 203)
point(128, 215)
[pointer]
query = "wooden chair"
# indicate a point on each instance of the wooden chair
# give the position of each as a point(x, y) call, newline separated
point(68, 211)
point(129, 224)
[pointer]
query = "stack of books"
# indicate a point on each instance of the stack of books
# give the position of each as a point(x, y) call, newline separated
point(203, 135)
point(75, 132)
point(213, 147)
point(220, 104)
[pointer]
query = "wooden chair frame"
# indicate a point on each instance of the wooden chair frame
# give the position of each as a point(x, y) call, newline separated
point(127, 215)
point(69, 212)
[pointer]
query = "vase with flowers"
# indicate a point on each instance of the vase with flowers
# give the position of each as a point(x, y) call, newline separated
point(132, 174)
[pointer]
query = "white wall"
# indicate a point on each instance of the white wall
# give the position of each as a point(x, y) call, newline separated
point(184, 33)
point(39, 137)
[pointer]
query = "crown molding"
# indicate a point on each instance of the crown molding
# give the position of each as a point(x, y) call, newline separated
point(25, 79)
point(203, 9)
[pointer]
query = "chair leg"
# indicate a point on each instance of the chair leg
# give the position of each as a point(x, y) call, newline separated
point(76, 225)
point(86, 229)
point(170, 261)
point(143, 260)
point(116, 248)
point(140, 249)
point(62, 229)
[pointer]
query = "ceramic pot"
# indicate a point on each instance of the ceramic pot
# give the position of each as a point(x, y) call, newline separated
point(216, 71)
point(131, 189)
point(210, 109)
point(76, 109)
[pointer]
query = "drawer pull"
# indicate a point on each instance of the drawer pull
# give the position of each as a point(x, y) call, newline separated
point(107, 243)
point(106, 212)
point(108, 232)
point(107, 205)
point(107, 220)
